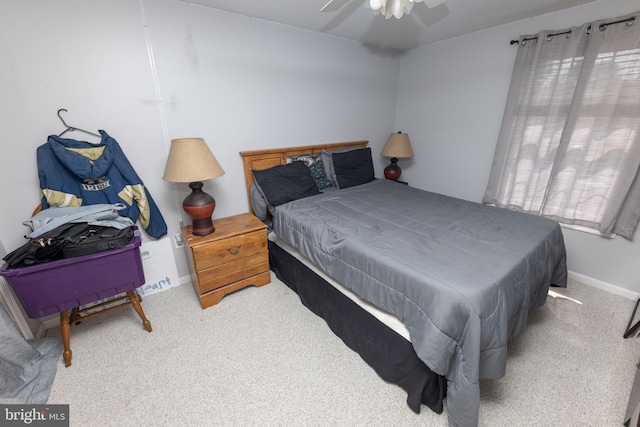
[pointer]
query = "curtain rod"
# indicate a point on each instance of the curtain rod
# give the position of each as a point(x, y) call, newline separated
point(602, 27)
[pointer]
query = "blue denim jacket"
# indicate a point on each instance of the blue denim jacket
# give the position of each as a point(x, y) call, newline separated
point(100, 214)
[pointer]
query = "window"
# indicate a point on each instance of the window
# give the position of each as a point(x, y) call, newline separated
point(569, 147)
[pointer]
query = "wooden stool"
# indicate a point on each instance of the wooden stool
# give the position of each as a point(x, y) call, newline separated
point(77, 314)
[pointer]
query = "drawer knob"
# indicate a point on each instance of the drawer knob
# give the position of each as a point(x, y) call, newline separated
point(234, 251)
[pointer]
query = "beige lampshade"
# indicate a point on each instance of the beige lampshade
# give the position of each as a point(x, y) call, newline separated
point(398, 145)
point(190, 160)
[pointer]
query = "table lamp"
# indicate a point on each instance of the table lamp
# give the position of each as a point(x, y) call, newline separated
point(190, 160)
point(397, 147)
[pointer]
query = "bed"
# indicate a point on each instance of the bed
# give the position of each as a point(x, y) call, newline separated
point(459, 277)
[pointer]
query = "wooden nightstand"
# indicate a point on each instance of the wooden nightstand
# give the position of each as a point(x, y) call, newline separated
point(231, 258)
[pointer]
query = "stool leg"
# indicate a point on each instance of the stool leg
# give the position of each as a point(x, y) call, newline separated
point(133, 298)
point(65, 329)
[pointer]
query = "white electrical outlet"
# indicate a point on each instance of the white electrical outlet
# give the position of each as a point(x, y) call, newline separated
point(178, 240)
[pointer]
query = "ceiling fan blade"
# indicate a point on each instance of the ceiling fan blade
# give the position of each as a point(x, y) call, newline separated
point(433, 3)
point(333, 5)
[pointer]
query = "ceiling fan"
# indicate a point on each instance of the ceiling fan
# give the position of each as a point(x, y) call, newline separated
point(388, 8)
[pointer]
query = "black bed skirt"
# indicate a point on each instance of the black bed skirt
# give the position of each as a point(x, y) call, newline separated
point(389, 354)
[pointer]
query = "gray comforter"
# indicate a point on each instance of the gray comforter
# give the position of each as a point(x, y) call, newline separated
point(462, 276)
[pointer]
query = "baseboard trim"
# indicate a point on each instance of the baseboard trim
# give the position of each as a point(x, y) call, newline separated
point(627, 293)
point(47, 323)
point(42, 330)
point(12, 306)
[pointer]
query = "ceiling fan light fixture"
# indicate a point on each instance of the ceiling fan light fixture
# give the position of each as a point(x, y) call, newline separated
point(389, 8)
point(398, 9)
point(375, 5)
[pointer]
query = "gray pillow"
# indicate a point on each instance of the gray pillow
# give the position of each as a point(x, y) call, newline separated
point(258, 203)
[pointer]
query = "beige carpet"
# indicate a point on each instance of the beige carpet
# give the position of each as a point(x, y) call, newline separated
point(261, 358)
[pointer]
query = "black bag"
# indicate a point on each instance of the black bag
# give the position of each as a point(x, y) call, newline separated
point(67, 241)
point(97, 239)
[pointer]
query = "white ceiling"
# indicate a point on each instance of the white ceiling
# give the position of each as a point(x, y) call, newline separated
point(424, 25)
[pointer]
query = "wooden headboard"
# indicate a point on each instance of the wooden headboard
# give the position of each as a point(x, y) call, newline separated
point(264, 159)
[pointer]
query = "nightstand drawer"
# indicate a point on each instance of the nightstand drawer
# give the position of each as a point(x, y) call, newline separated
point(228, 250)
point(222, 275)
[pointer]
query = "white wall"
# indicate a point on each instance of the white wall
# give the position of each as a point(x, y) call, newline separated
point(148, 71)
point(451, 101)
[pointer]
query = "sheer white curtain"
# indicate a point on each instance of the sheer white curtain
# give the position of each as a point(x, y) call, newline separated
point(569, 147)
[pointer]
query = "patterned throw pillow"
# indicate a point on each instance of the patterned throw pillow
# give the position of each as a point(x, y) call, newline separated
point(317, 172)
point(307, 159)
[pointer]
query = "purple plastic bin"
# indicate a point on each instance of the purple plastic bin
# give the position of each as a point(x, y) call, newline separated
point(64, 284)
